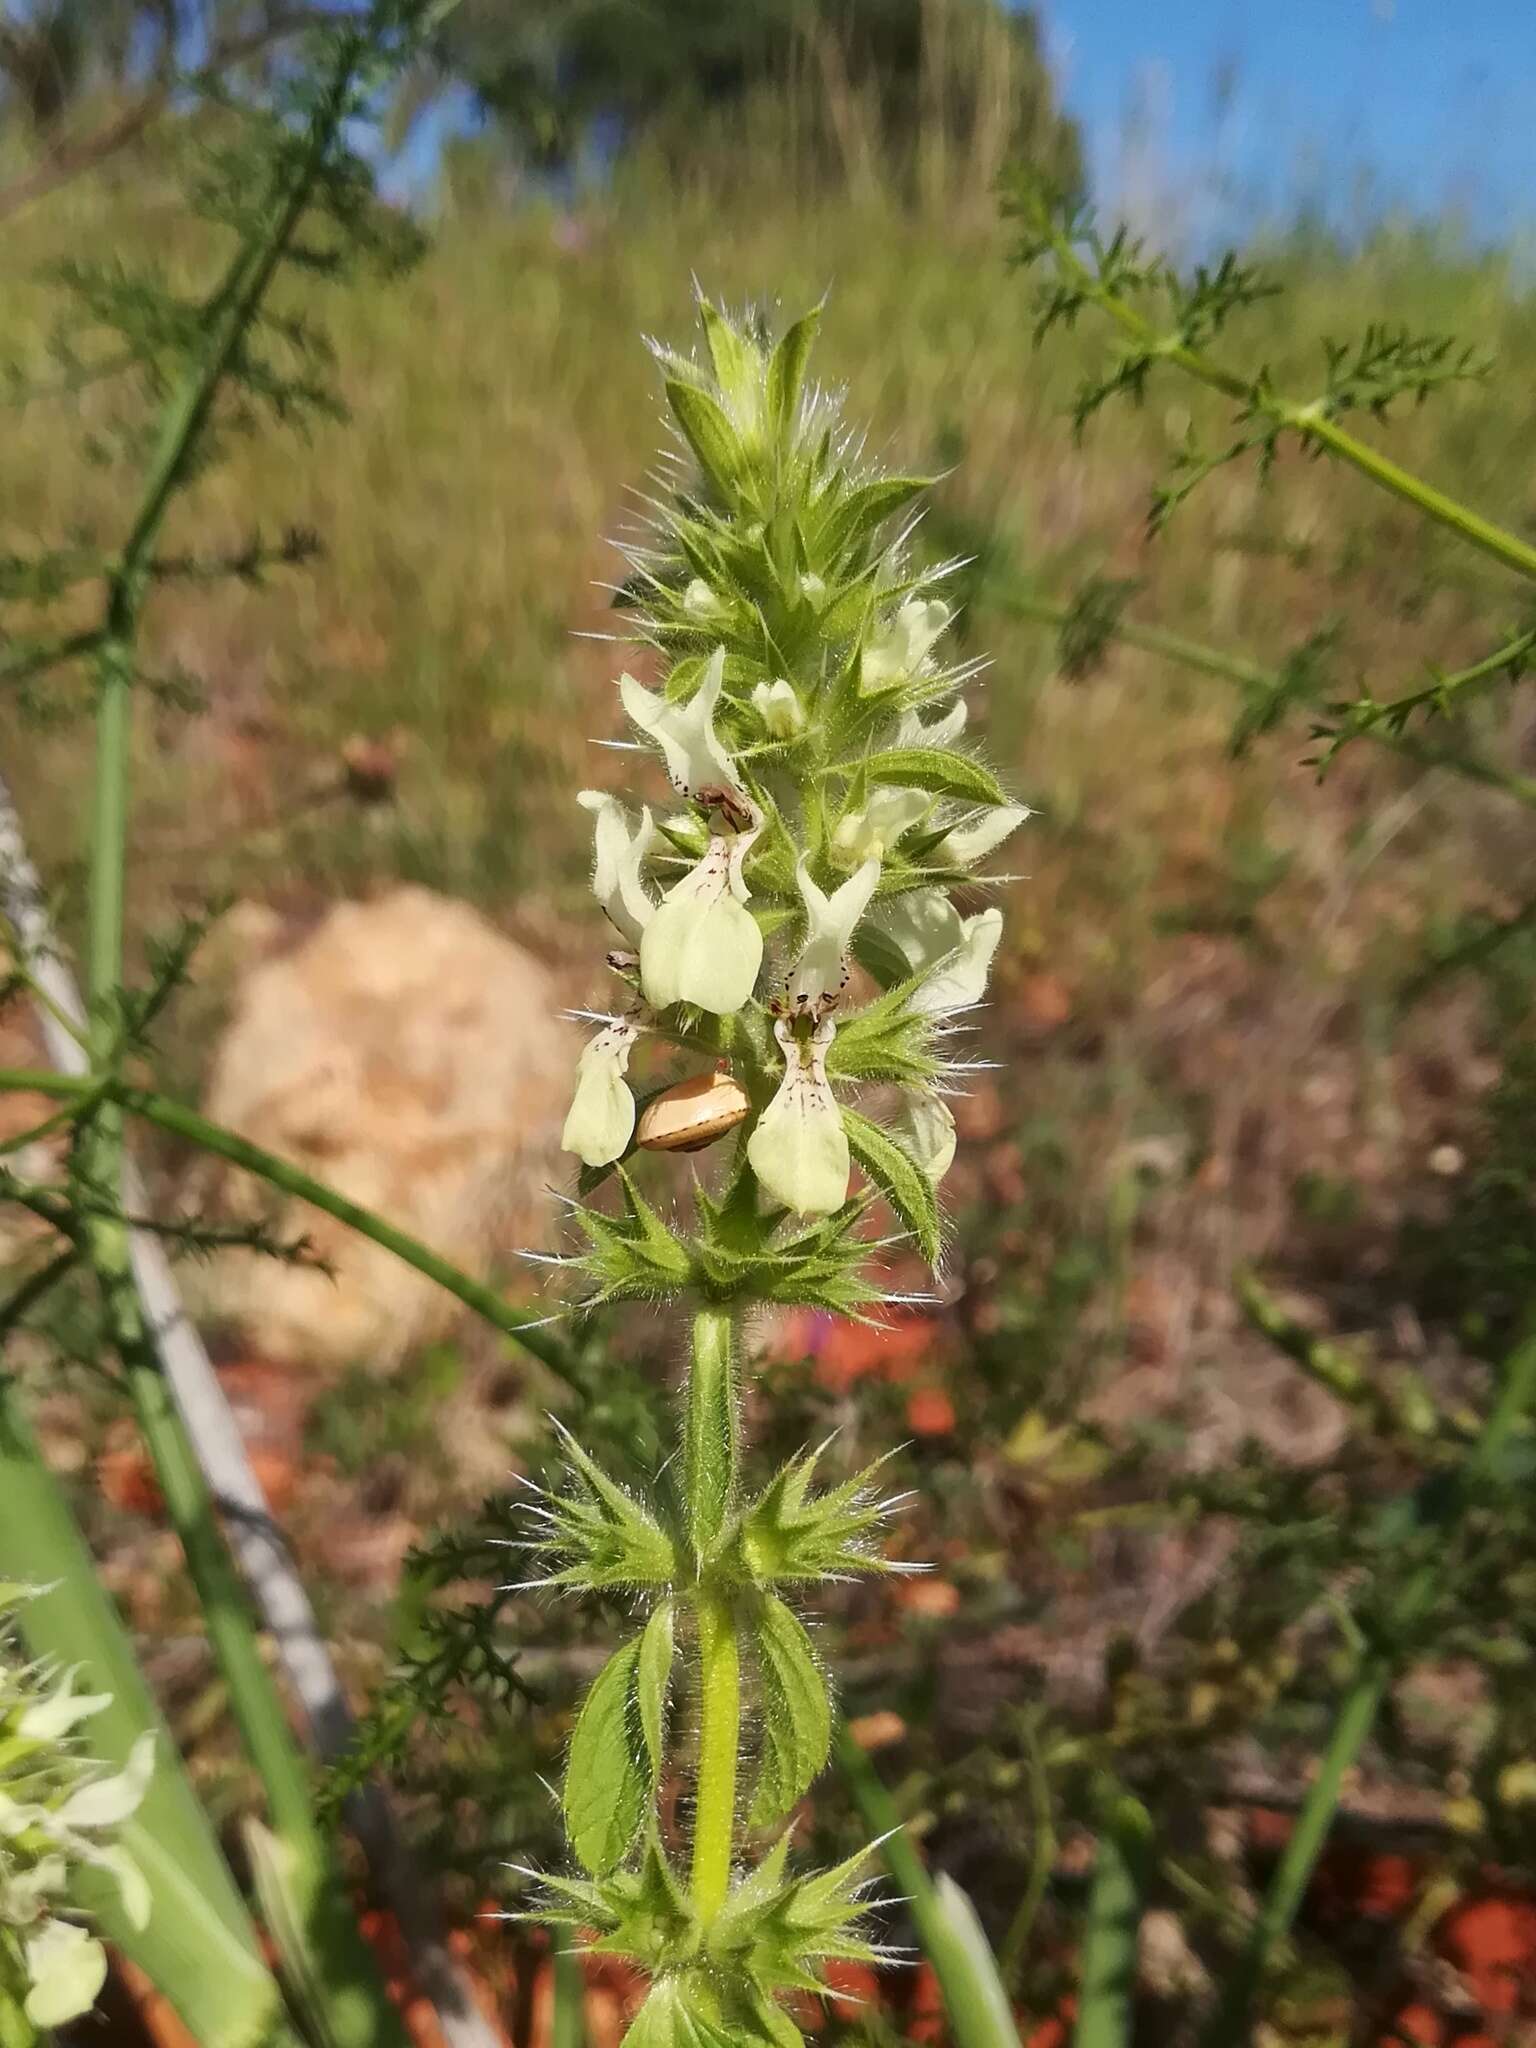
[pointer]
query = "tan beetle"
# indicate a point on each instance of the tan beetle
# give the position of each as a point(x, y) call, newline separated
point(693, 1113)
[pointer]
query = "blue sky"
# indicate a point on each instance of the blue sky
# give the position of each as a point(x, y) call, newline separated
point(1354, 106)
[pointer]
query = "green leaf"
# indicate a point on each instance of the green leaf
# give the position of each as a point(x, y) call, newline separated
point(710, 435)
point(797, 1715)
point(653, 1675)
point(786, 370)
point(866, 508)
point(932, 768)
point(608, 1775)
point(899, 1178)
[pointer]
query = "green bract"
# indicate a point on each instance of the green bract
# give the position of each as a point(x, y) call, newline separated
point(787, 917)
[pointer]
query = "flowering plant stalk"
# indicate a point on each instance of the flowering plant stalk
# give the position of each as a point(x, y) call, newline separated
point(815, 814)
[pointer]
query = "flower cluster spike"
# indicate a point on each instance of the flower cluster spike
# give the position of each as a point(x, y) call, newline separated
point(59, 1813)
point(792, 891)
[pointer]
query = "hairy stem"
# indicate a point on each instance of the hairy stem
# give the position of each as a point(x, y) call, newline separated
point(710, 1445)
point(714, 1820)
point(710, 1453)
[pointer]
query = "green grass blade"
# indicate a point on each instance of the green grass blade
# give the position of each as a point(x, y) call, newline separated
point(1114, 1916)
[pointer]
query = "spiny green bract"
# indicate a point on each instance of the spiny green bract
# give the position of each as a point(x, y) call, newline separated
point(719, 1984)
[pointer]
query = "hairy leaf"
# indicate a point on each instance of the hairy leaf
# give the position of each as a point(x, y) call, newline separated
point(933, 769)
point(899, 1178)
point(797, 1714)
point(608, 1774)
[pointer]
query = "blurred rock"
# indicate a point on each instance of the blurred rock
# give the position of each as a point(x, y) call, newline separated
point(413, 1057)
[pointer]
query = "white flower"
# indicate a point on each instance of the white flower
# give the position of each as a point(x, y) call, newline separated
point(67, 1967)
point(923, 925)
point(899, 649)
point(870, 834)
point(108, 1802)
point(126, 1874)
point(601, 1119)
point(51, 1718)
point(960, 979)
point(798, 1148)
point(821, 972)
point(620, 857)
point(703, 945)
point(928, 1132)
point(685, 732)
point(779, 708)
point(942, 731)
point(966, 844)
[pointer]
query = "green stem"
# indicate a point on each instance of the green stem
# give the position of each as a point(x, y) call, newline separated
point(1494, 540)
point(710, 1430)
point(1357, 1715)
point(185, 1123)
point(360, 2010)
point(714, 1820)
point(1114, 1917)
point(710, 1457)
point(1309, 420)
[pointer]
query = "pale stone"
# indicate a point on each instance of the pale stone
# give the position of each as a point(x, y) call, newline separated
point(413, 1057)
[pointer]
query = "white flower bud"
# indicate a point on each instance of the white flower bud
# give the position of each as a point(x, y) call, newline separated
point(779, 708)
point(108, 1802)
point(923, 925)
point(798, 1148)
point(900, 649)
point(601, 1119)
point(700, 602)
point(869, 834)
